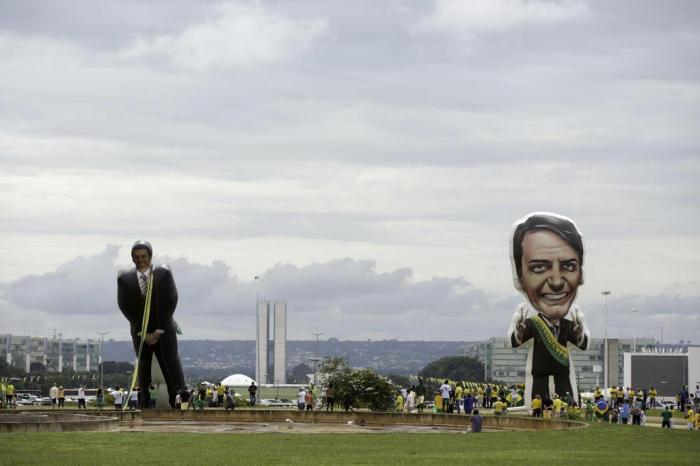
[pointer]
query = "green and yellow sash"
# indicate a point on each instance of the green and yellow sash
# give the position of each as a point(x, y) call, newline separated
point(558, 351)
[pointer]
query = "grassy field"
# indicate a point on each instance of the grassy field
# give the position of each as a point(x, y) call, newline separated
point(598, 444)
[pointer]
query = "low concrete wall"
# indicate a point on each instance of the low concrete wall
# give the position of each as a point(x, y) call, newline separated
point(368, 418)
point(55, 422)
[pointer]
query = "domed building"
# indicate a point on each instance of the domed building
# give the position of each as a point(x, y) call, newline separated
point(237, 380)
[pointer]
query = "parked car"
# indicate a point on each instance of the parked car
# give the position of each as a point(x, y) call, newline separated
point(273, 403)
point(26, 399)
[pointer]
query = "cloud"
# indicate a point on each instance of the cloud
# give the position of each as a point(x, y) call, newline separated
point(347, 298)
point(242, 34)
point(460, 18)
point(343, 297)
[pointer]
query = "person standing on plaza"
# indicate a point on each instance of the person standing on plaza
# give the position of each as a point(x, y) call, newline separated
point(458, 397)
point(690, 415)
point(420, 395)
point(469, 404)
point(301, 399)
point(118, 398)
point(152, 395)
point(309, 400)
point(537, 406)
point(53, 394)
point(253, 393)
point(99, 399)
point(445, 392)
point(81, 397)
point(624, 412)
point(61, 397)
point(410, 404)
point(398, 403)
point(229, 403)
point(330, 397)
point(636, 412)
point(10, 395)
point(666, 416)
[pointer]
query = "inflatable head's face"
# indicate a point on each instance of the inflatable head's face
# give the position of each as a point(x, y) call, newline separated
point(141, 254)
point(547, 262)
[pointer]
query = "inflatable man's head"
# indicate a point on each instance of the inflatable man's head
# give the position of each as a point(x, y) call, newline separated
point(547, 262)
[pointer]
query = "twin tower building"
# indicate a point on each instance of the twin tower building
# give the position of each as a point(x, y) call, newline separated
point(270, 354)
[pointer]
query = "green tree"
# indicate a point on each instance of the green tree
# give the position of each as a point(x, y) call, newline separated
point(455, 368)
point(299, 374)
point(358, 387)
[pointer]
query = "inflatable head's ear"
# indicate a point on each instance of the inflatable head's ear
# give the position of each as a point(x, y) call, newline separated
point(562, 226)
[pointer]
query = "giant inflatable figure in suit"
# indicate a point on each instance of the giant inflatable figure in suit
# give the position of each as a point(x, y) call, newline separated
point(547, 264)
point(160, 338)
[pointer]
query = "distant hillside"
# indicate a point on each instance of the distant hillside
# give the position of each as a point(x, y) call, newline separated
point(386, 356)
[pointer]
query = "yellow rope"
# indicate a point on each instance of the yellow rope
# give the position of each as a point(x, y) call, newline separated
point(144, 327)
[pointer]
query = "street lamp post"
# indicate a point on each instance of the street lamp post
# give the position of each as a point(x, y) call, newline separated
point(605, 341)
point(102, 363)
point(634, 322)
point(316, 334)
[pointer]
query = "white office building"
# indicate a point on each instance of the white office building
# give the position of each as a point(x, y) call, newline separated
point(270, 355)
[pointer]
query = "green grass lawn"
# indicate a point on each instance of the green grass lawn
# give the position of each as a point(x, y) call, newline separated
point(598, 444)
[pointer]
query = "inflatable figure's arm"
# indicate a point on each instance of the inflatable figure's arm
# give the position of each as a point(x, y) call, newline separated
point(519, 331)
point(580, 335)
point(168, 291)
point(122, 297)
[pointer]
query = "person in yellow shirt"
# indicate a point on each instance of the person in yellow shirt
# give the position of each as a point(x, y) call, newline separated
point(537, 407)
point(697, 419)
point(10, 394)
point(499, 407)
point(437, 407)
point(458, 397)
point(399, 403)
point(221, 393)
point(690, 415)
point(61, 397)
point(556, 406)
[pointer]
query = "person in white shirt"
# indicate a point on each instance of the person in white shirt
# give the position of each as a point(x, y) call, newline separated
point(81, 398)
point(445, 391)
point(410, 404)
point(134, 398)
point(53, 394)
point(118, 398)
point(301, 399)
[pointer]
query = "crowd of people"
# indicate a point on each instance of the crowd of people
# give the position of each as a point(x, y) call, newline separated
point(629, 406)
point(615, 405)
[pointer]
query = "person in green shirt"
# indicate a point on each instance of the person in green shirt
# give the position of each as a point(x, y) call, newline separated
point(152, 397)
point(666, 416)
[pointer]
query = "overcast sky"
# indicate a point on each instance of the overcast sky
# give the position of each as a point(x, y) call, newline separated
point(366, 159)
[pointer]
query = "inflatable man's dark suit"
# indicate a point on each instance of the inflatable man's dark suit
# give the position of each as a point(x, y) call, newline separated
point(163, 302)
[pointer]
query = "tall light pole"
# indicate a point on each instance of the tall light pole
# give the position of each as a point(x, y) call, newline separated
point(316, 334)
point(102, 364)
point(634, 322)
point(257, 291)
point(605, 341)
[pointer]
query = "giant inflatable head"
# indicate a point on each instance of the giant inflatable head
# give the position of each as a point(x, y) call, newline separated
point(547, 262)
